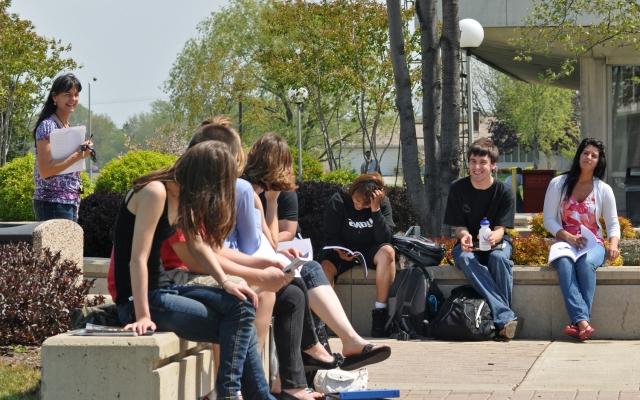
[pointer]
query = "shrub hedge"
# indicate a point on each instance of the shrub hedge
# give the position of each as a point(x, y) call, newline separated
point(96, 216)
point(16, 189)
point(118, 174)
point(17, 186)
point(339, 176)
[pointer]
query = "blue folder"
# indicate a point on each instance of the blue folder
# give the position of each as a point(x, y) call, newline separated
point(365, 394)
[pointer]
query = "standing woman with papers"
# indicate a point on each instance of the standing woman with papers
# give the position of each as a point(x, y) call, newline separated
point(577, 200)
point(57, 194)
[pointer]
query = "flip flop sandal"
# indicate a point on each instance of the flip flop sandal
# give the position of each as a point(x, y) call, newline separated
point(586, 333)
point(371, 354)
point(571, 330)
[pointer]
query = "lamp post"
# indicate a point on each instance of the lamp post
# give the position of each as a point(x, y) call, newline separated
point(90, 131)
point(298, 96)
point(471, 36)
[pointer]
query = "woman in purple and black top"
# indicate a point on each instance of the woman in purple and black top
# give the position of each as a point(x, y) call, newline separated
point(57, 195)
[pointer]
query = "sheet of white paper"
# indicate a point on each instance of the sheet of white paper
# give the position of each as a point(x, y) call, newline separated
point(66, 141)
point(302, 245)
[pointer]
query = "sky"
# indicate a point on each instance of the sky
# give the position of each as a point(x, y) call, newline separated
point(129, 46)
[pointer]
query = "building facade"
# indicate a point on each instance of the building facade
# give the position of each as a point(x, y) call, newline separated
point(607, 78)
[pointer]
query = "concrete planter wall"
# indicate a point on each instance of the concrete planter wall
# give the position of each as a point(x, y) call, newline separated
point(536, 298)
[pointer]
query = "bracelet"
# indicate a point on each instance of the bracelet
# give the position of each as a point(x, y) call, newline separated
point(225, 280)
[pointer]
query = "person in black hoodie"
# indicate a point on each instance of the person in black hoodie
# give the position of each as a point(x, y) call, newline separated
point(361, 221)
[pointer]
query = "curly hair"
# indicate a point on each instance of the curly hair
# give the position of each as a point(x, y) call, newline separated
point(269, 164)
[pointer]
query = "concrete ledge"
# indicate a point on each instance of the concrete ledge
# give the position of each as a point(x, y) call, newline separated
point(536, 298)
point(161, 366)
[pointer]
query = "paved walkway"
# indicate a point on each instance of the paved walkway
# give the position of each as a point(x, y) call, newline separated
point(518, 370)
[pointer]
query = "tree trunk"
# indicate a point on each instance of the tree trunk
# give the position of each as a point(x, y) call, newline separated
point(449, 144)
point(325, 132)
point(431, 99)
point(408, 141)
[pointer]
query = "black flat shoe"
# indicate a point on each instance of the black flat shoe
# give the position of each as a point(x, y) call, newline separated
point(371, 354)
point(312, 364)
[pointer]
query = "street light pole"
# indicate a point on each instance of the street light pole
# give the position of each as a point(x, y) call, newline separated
point(299, 105)
point(90, 131)
point(298, 96)
point(471, 36)
point(469, 98)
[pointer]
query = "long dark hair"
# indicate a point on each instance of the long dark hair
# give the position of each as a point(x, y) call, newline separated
point(206, 174)
point(63, 83)
point(574, 172)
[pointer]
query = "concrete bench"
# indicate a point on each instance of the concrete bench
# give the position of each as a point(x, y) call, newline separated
point(57, 234)
point(161, 366)
point(536, 298)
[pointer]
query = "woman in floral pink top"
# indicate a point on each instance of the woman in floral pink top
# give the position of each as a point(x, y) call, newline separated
point(57, 195)
point(576, 198)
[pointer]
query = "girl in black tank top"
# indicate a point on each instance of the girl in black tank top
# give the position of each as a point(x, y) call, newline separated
point(196, 195)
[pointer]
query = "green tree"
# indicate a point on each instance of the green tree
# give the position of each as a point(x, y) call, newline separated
point(254, 51)
point(578, 27)
point(29, 61)
point(542, 116)
point(157, 130)
point(108, 140)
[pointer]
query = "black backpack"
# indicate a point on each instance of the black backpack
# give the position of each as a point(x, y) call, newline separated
point(465, 315)
point(414, 299)
point(418, 250)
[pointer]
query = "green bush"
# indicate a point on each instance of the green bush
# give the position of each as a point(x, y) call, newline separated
point(118, 174)
point(340, 176)
point(17, 186)
point(16, 189)
point(312, 169)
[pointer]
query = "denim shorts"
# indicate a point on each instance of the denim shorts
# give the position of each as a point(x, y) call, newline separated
point(46, 210)
point(313, 275)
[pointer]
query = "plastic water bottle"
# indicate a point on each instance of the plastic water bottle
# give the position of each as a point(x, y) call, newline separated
point(484, 233)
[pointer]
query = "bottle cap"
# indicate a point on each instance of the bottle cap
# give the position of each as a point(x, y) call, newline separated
point(484, 221)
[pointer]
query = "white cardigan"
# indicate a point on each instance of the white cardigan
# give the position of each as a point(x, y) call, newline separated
point(605, 206)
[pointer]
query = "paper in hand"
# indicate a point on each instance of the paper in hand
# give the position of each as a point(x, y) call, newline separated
point(65, 142)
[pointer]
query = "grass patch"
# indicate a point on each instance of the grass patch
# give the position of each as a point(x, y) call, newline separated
point(19, 382)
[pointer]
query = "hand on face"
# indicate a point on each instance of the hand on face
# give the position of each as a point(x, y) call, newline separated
point(376, 199)
point(271, 195)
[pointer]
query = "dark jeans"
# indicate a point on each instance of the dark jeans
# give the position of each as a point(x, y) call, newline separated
point(294, 331)
point(45, 210)
point(205, 314)
point(490, 273)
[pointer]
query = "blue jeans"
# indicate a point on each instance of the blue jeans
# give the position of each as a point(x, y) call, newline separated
point(205, 314)
point(490, 273)
point(45, 210)
point(578, 282)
